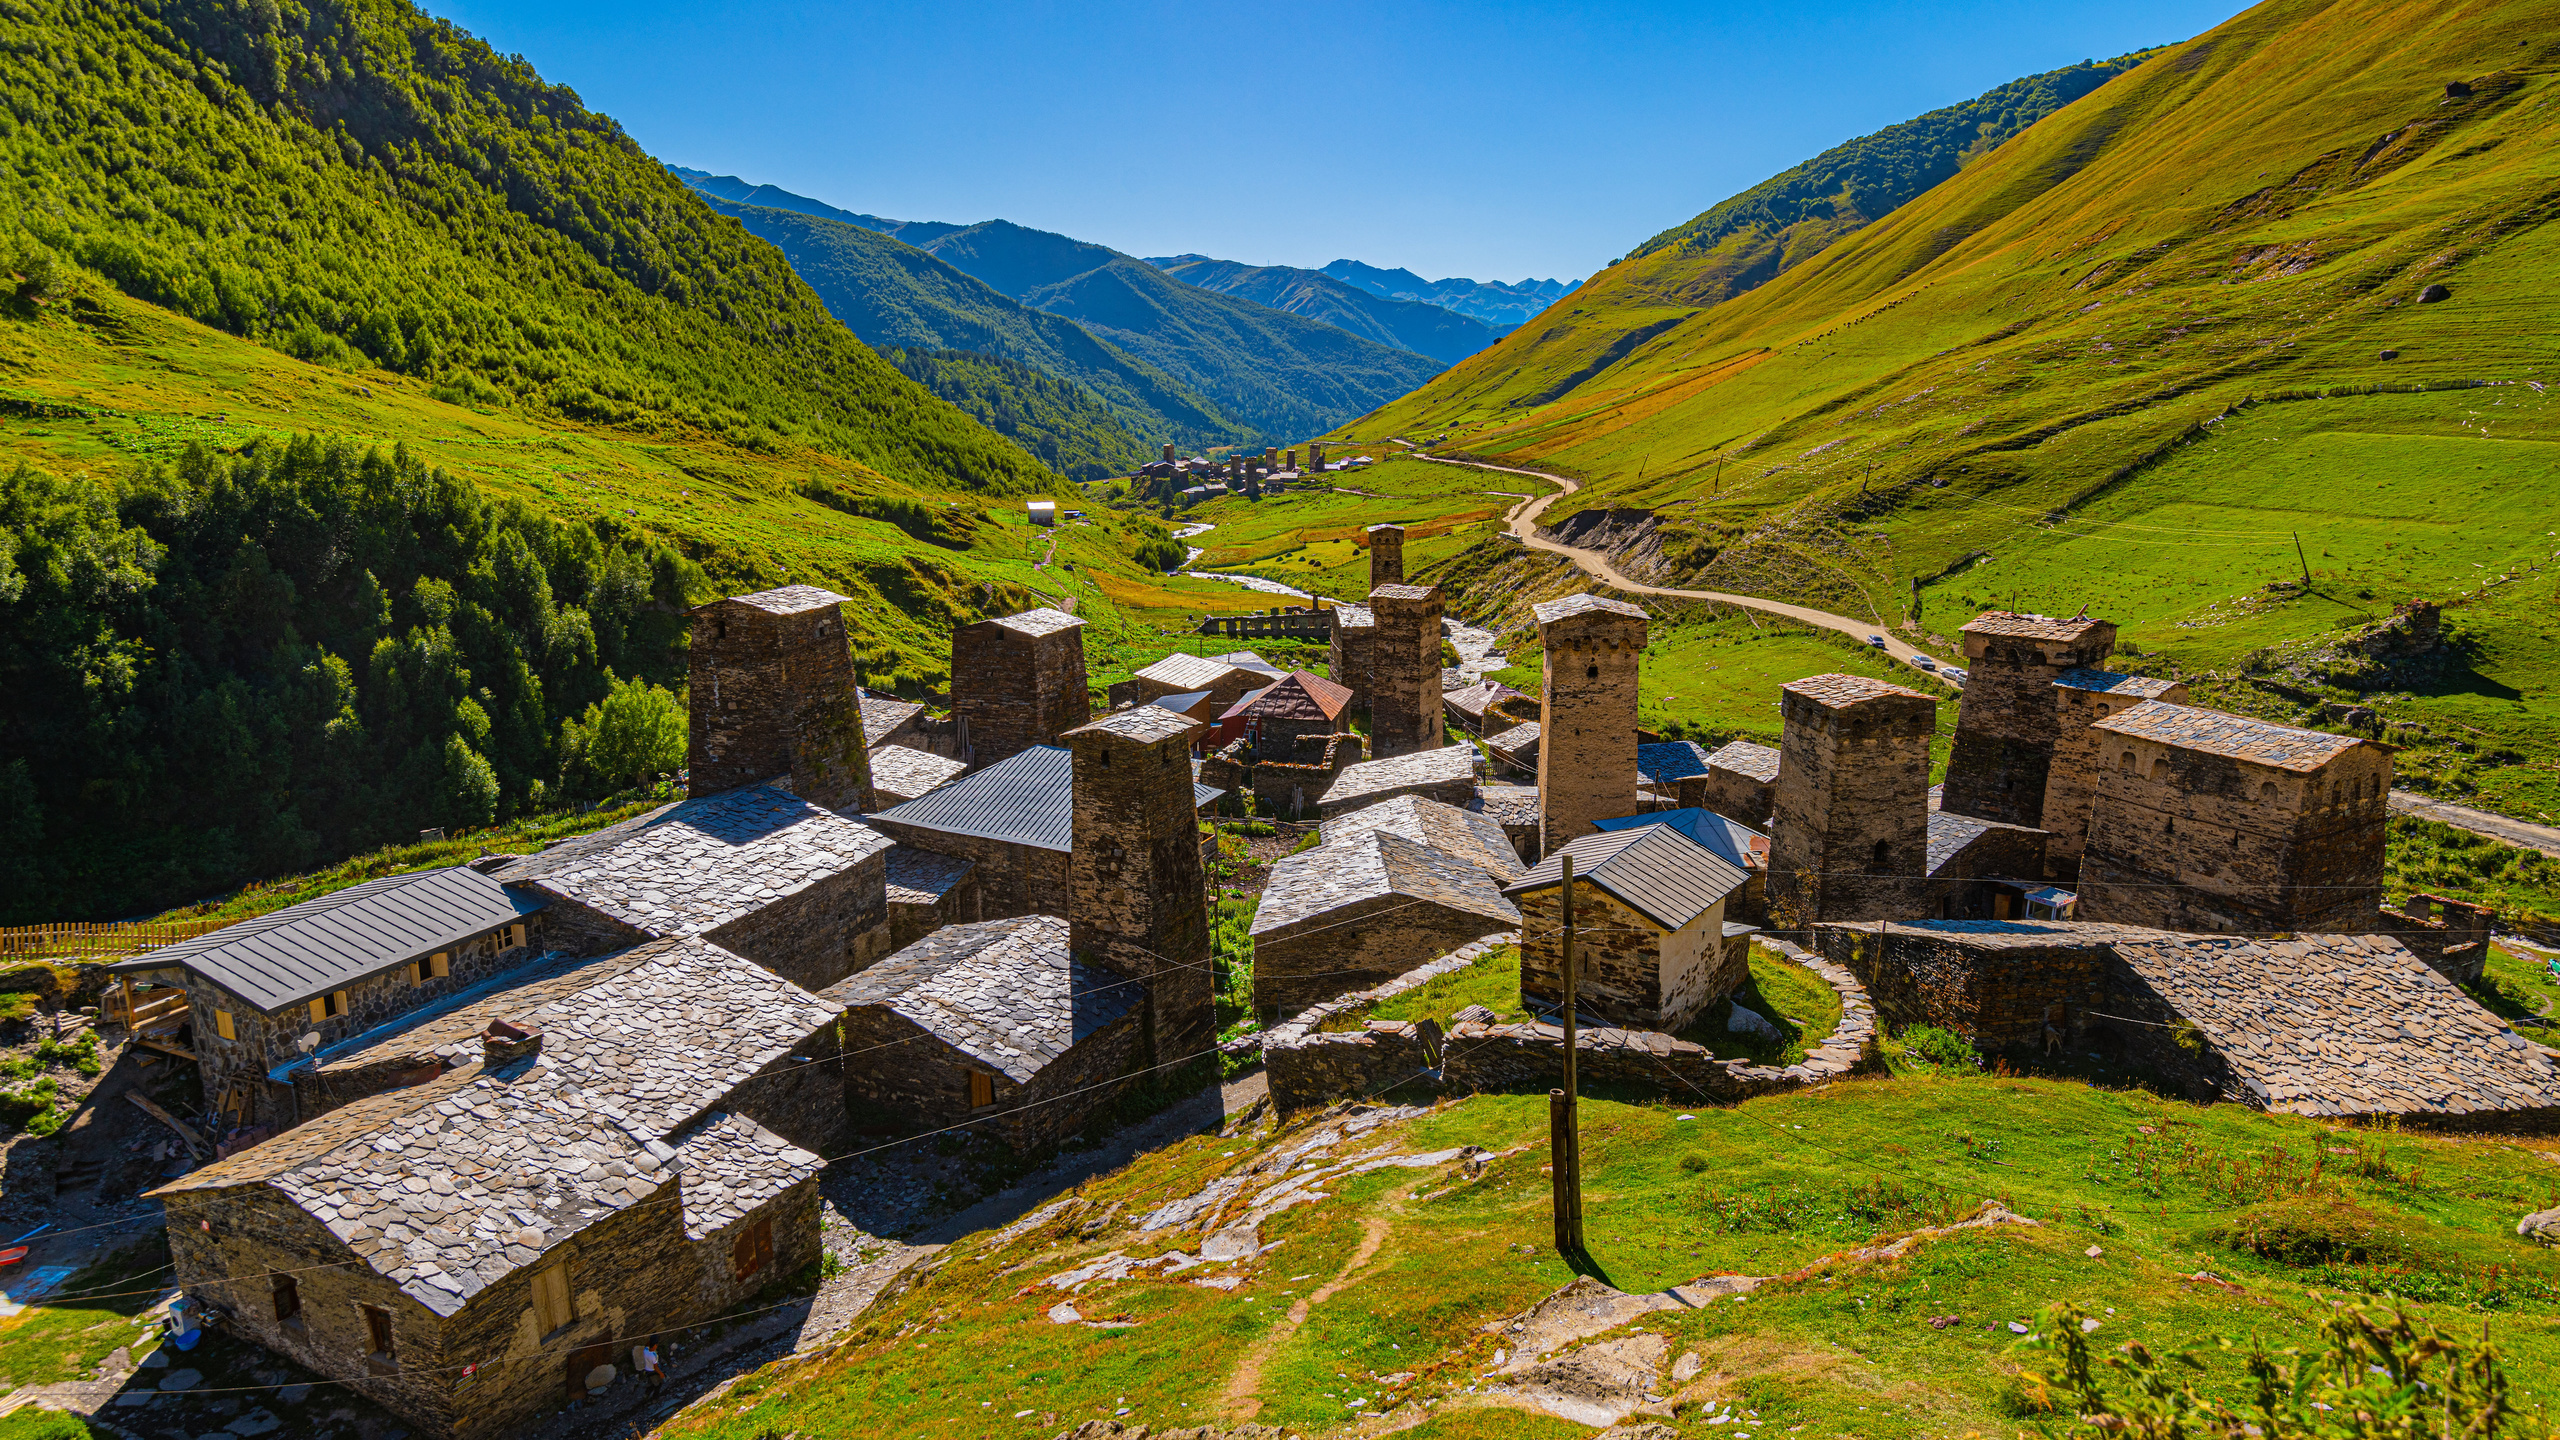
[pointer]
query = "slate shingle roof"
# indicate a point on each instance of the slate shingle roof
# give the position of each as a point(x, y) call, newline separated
point(696, 865)
point(1464, 834)
point(1307, 887)
point(287, 956)
point(1354, 617)
point(920, 877)
point(881, 717)
point(1760, 762)
point(2028, 627)
point(1661, 872)
point(1950, 833)
point(1188, 672)
point(731, 1167)
point(1550, 611)
point(1508, 804)
point(1004, 992)
point(2237, 737)
point(1385, 777)
point(1838, 692)
point(1517, 741)
point(1043, 621)
point(901, 772)
point(789, 599)
point(2108, 682)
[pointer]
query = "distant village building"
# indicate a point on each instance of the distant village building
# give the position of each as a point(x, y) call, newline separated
point(1652, 948)
point(1182, 674)
point(1386, 555)
point(1471, 708)
point(1515, 752)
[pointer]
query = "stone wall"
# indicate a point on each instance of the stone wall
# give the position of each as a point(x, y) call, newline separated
point(1730, 793)
point(1354, 644)
point(1404, 670)
point(799, 1095)
point(1594, 649)
point(1849, 830)
point(2005, 722)
point(2450, 935)
point(1358, 945)
point(817, 937)
point(1310, 1067)
point(773, 697)
point(1012, 879)
point(2183, 839)
point(796, 1241)
point(898, 1070)
point(1998, 997)
point(263, 1041)
point(2071, 782)
point(1018, 682)
point(1629, 972)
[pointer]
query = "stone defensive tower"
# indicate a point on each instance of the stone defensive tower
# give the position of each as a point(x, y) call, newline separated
point(773, 698)
point(2082, 698)
point(1135, 902)
point(1386, 555)
point(1849, 833)
point(1018, 682)
point(2005, 723)
point(1168, 452)
point(1404, 670)
point(1586, 715)
point(1355, 637)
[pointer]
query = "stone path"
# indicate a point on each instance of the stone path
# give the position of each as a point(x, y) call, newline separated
point(1523, 523)
point(2520, 833)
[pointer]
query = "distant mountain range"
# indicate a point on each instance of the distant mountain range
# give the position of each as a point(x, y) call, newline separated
point(1444, 335)
point(1504, 307)
point(1175, 361)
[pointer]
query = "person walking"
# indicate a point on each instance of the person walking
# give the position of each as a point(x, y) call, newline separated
point(644, 1358)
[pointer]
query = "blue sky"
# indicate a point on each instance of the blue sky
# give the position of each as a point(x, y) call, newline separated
point(1490, 140)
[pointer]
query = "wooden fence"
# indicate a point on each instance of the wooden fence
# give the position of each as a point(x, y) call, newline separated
point(83, 938)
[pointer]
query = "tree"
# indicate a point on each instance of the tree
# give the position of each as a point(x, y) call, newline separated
point(630, 737)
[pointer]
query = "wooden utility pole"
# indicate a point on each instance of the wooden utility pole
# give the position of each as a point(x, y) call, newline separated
point(2305, 559)
point(1564, 1132)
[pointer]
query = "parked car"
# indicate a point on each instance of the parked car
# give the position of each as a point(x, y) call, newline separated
point(1956, 673)
point(1924, 662)
point(1876, 640)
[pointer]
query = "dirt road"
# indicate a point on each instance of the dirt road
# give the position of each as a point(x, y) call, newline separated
point(2521, 833)
point(1523, 523)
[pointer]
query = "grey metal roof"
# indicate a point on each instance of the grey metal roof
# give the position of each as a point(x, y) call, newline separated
point(1664, 874)
point(1025, 799)
point(290, 955)
point(1726, 839)
point(1028, 799)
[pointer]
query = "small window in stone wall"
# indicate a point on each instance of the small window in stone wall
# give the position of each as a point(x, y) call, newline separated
point(551, 1307)
point(982, 1089)
point(325, 1006)
point(2124, 762)
point(222, 1025)
point(288, 1297)
point(377, 1325)
point(2267, 792)
point(753, 1249)
point(515, 937)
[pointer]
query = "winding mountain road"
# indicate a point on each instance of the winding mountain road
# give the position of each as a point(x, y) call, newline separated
point(1523, 523)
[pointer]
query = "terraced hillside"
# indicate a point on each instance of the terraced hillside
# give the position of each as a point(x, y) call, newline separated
point(2291, 277)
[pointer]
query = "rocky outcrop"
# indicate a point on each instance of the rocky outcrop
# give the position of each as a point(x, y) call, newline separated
point(1632, 539)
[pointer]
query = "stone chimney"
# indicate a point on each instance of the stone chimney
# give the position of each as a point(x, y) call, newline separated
point(506, 1042)
point(1587, 715)
point(1386, 555)
point(773, 698)
point(1135, 899)
point(1404, 671)
point(1019, 682)
point(1849, 832)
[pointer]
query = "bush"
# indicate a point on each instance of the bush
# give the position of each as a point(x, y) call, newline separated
point(2311, 1230)
point(632, 736)
point(1933, 1046)
point(1695, 1161)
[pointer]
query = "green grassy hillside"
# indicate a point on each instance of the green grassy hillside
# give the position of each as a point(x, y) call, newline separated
point(367, 187)
point(1444, 335)
point(892, 294)
point(2128, 355)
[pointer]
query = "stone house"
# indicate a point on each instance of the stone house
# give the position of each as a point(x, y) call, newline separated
point(1298, 704)
point(1515, 809)
point(2450, 935)
point(1404, 670)
point(1185, 674)
point(1515, 751)
point(2081, 699)
point(472, 1251)
point(1728, 840)
point(1291, 788)
point(1015, 822)
point(994, 1023)
point(794, 886)
point(1740, 783)
point(2335, 1026)
point(1464, 834)
point(1849, 822)
point(1017, 682)
point(1476, 710)
point(329, 968)
point(1651, 946)
point(2005, 723)
point(928, 891)
point(900, 773)
point(1981, 869)
point(1364, 908)
point(1447, 774)
point(2207, 821)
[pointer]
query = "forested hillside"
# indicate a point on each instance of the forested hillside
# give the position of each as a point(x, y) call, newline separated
point(240, 666)
point(359, 184)
point(1065, 425)
point(1425, 329)
point(894, 295)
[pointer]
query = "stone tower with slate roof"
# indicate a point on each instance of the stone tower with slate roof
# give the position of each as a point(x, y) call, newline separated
point(774, 698)
point(2005, 724)
point(1386, 555)
point(1849, 828)
point(1404, 670)
point(1135, 903)
point(1587, 714)
point(1019, 681)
